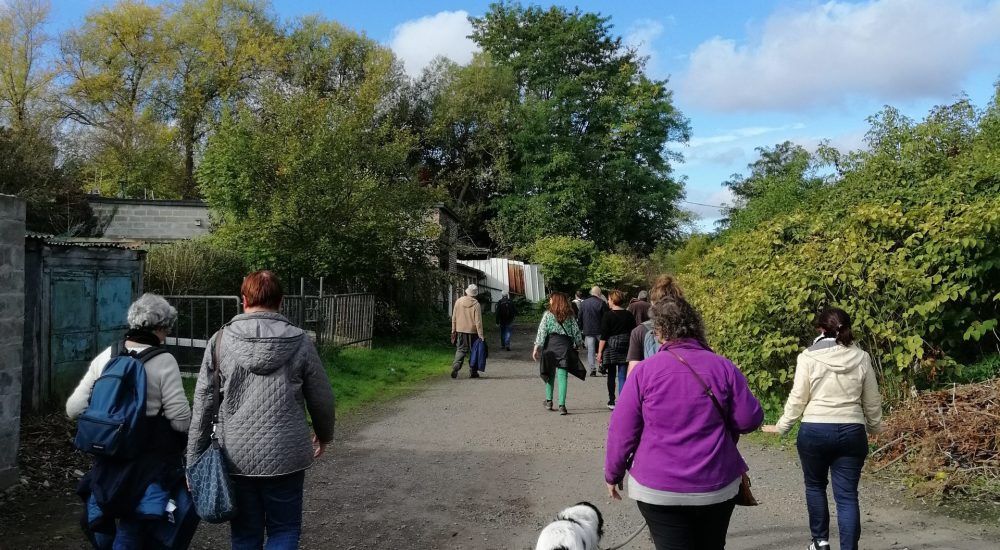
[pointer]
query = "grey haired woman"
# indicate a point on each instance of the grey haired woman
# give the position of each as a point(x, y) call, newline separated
point(119, 485)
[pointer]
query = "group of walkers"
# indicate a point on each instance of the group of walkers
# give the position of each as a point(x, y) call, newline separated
point(681, 408)
point(269, 373)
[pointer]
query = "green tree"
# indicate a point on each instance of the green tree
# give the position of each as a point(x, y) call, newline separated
point(588, 156)
point(24, 79)
point(465, 142)
point(216, 49)
point(112, 65)
point(613, 270)
point(565, 261)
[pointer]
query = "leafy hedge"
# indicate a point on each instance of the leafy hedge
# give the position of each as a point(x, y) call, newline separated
point(906, 239)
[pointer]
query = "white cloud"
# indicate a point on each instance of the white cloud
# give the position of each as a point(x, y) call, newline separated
point(885, 49)
point(742, 133)
point(705, 205)
point(419, 41)
point(640, 36)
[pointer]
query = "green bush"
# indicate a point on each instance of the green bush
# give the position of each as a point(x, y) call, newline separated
point(193, 267)
point(907, 240)
point(564, 260)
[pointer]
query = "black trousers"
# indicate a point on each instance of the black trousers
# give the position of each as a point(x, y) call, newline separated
point(688, 527)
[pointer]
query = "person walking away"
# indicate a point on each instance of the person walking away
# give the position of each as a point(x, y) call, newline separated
point(577, 302)
point(505, 314)
point(664, 287)
point(118, 486)
point(612, 351)
point(557, 338)
point(466, 327)
point(836, 394)
point(677, 445)
point(639, 308)
point(268, 370)
point(592, 312)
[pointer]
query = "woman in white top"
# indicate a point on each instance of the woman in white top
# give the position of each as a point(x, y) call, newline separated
point(168, 413)
point(836, 394)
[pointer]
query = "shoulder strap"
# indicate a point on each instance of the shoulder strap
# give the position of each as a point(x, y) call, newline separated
point(216, 379)
point(707, 388)
point(152, 351)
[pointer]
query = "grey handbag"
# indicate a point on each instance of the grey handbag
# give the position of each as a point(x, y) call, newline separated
point(211, 488)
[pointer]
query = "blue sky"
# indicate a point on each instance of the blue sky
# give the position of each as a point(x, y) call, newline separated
point(746, 73)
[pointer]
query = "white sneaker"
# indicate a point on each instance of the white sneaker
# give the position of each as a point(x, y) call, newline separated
point(818, 545)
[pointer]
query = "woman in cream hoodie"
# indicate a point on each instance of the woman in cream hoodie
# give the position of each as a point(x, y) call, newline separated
point(836, 395)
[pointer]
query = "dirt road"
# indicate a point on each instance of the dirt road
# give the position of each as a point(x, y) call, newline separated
point(478, 464)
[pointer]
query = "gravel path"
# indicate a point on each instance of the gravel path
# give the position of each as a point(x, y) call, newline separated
point(478, 464)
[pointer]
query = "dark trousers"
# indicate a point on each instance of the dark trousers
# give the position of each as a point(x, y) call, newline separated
point(837, 450)
point(463, 345)
point(506, 330)
point(616, 379)
point(688, 527)
point(271, 505)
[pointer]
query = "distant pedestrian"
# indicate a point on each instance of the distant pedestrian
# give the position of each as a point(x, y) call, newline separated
point(639, 308)
point(466, 328)
point(616, 325)
point(592, 312)
point(577, 302)
point(557, 338)
point(270, 375)
point(505, 314)
point(664, 287)
point(674, 431)
point(836, 394)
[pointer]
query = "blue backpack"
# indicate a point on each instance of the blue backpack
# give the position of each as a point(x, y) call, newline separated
point(650, 346)
point(114, 423)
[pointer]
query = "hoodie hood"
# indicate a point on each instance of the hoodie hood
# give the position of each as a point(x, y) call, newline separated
point(467, 301)
point(834, 356)
point(262, 342)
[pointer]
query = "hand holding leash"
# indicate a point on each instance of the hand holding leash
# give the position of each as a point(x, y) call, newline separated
point(613, 490)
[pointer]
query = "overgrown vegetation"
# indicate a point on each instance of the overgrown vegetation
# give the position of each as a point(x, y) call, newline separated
point(193, 267)
point(905, 236)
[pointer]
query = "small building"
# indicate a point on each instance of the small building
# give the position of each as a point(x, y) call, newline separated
point(151, 221)
point(510, 276)
point(76, 298)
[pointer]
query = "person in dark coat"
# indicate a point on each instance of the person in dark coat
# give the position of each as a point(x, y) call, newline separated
point(506, 312)
point(592, 312)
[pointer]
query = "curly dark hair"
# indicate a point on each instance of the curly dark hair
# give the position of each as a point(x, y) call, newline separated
point(675, 318)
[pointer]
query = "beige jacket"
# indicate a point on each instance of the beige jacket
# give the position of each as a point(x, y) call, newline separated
point(163, 388)
point(834, 384)
point(467, 316)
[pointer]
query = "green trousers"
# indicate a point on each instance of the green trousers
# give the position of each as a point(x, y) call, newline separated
point(563, 377)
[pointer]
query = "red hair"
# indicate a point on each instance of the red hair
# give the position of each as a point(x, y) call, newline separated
point(262, 289)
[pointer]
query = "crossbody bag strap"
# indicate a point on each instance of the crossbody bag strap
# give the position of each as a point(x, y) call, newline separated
point(708, 391)
point(216, 380)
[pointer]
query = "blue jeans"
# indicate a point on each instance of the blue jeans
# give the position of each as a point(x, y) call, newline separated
point(840, 451)
point(614, 381)
point(131, 534)
point(591, 342)
point(267, 504)
point(505, 332)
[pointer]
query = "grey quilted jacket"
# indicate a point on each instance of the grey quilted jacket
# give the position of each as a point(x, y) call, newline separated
point(270, 374)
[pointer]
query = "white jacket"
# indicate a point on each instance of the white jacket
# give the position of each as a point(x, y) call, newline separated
point(834, 384)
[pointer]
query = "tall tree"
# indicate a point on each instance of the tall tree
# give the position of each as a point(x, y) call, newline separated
point(112, 65)
point(24, 81)
point(465, 143)
point(217, 48)
point(589, 157)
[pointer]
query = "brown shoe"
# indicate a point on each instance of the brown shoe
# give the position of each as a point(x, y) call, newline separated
point(547, 404)
point(562, 410)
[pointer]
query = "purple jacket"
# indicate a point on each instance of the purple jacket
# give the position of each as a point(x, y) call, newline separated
point(667, 433)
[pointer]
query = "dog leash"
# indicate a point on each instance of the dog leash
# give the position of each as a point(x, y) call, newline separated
point(628, 540)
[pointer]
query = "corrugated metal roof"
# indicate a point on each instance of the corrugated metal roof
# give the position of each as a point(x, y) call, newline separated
point(87, 242)
point(34, 235)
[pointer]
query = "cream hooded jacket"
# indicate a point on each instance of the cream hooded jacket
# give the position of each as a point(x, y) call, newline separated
point(834, 384)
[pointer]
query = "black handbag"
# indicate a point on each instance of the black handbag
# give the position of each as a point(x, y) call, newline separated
point(211, 488)
point(745, 496)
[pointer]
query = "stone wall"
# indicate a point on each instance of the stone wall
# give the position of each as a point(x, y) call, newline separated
point(151, 220)
point(11, 333)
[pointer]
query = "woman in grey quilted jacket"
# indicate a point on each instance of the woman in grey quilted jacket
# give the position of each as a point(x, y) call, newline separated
point(270, 374)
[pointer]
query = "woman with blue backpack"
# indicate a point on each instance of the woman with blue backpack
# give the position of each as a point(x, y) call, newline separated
point(133, 417)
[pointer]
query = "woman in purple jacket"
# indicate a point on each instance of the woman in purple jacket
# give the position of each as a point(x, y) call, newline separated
point(678, 448)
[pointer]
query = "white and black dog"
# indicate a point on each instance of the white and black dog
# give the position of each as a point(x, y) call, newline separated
point(578, 527)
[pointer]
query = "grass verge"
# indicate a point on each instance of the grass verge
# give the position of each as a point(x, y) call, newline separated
point(363, 376)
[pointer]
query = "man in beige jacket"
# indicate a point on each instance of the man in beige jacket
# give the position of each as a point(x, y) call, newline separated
point(466, 328)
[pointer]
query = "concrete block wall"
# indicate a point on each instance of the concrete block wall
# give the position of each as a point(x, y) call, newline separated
point(11, 333)
point(151, 219)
